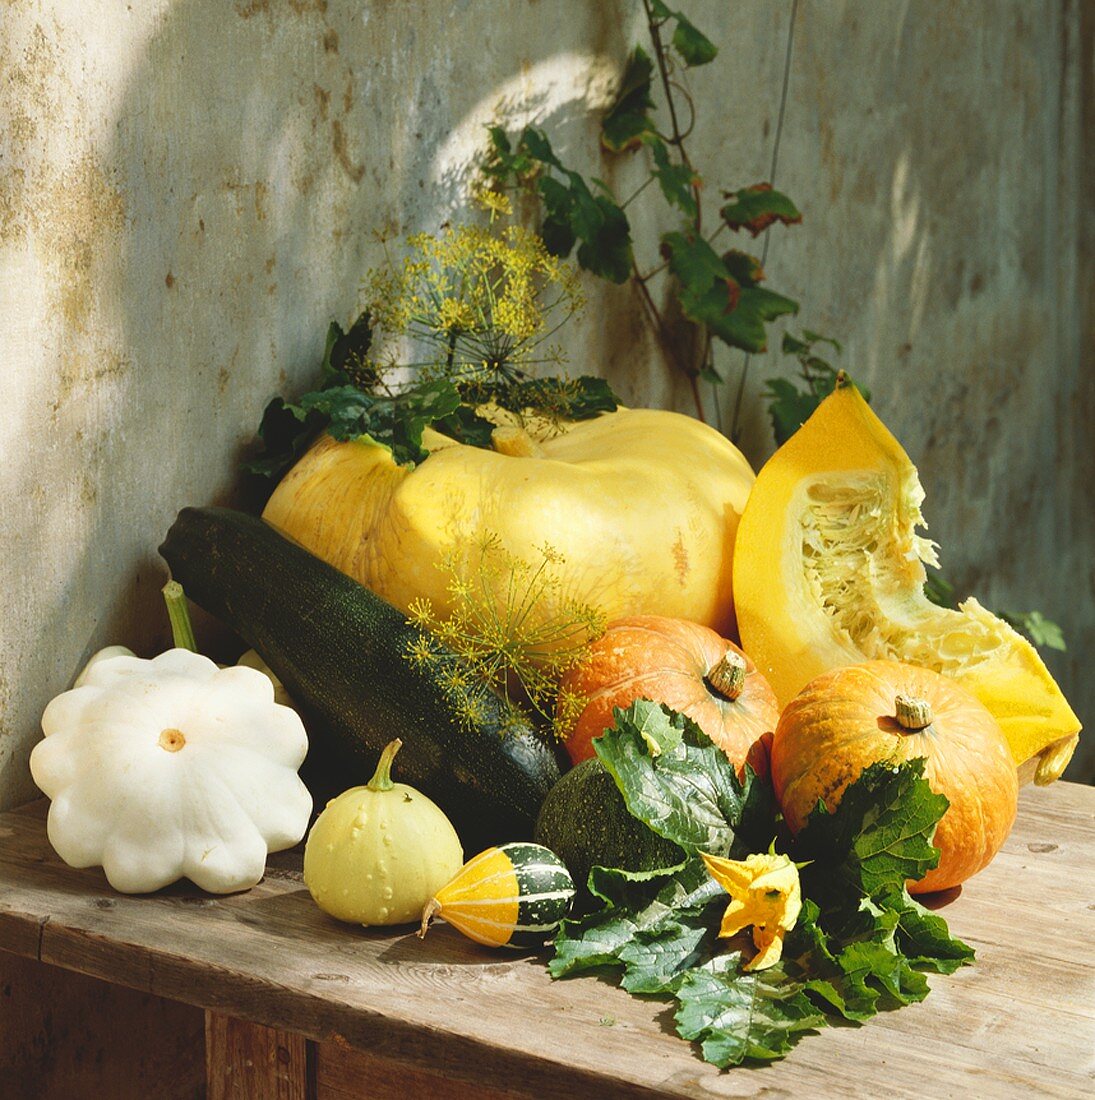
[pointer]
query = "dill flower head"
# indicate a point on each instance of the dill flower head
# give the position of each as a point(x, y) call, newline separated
point(511, 628)
point(474, 303)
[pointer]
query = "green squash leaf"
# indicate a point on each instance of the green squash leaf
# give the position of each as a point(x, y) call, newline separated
point(879, 836)
point(653, 925)
point(923, 936)
point(860, 943)
point(676, 781)
point(736, 1015)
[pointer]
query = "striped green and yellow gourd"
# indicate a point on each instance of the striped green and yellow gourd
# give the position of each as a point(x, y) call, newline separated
point(514, 895)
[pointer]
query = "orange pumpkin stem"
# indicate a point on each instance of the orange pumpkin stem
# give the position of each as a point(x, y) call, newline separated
point(913, 714)
point(727, 677)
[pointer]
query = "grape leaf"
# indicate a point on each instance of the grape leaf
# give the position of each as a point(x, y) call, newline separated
point(792, 403)
point(694, 47)
point(736, 1015)
point(756, 208)
point(711, 295)
point(573, 213)
point(1041, 631)
point(628, 119)
point(676, 179)
point(677, 781)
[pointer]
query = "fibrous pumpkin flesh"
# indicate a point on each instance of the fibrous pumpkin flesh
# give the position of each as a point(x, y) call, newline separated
point(829, 571)
point(642, 506)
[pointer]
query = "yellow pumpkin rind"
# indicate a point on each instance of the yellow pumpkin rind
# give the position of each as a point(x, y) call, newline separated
point(791, 638)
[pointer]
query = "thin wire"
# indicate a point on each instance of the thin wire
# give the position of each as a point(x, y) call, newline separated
point(772, 181)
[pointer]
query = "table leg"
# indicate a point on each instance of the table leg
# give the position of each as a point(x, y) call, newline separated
point(245, 1061)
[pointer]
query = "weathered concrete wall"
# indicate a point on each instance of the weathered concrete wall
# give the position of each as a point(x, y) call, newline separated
point(189, 190)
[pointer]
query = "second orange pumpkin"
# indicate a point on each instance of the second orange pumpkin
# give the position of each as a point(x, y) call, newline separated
point(849, 718)
point(684, 665)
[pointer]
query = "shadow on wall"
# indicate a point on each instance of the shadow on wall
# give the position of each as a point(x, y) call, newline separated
point(231, 211)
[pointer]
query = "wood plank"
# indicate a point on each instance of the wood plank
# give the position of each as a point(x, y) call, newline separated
point(343, 1073)
point(248, 1061)
point(64, 1035)
point(1020, 1022)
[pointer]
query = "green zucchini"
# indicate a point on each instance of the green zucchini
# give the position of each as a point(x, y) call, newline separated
point(339, 650)
point(586, 823)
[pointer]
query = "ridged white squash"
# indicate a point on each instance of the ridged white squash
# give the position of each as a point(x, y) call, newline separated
point(169, 768)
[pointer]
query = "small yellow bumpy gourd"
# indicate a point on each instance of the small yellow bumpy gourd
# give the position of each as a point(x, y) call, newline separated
point(378, 853)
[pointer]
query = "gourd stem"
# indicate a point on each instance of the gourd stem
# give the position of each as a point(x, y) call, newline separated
point(382, 777)
point(514, 441)
point(727, 677)
point(913, 714)
point(182, 630)
point(433, 907)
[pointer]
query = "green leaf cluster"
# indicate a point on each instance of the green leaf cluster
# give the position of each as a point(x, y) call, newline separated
point(574, 212)
point(721, 294)
point(791, 402)
point(861, 942)
point(350, 404)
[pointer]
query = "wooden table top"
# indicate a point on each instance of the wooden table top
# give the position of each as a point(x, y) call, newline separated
point(1020, 1022)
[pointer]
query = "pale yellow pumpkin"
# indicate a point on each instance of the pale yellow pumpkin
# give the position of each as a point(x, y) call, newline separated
point(641, 504)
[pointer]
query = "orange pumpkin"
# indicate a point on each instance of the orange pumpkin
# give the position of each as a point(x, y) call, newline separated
point(684, 665)
point(849, 718)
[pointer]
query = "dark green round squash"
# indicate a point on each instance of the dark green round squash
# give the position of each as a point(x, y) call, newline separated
point(585, 822)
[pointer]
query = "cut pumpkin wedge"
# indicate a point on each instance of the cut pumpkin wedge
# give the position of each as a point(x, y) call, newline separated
point(829, 571)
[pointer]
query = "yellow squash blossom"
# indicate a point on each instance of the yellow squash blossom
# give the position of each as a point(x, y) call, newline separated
point(765, 893)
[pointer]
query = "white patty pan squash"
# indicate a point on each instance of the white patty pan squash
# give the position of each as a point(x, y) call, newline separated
point(642, 504)
point(169, 768)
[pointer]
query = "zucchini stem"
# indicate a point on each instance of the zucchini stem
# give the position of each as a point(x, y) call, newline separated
point(382, 777)
point(182, 630)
